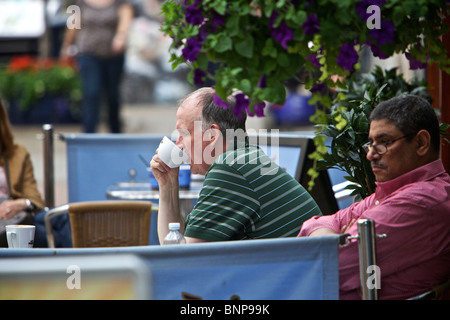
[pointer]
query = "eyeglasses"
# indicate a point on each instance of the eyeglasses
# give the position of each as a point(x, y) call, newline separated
point(381, 148)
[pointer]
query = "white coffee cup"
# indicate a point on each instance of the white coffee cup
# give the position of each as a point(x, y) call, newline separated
point(20, 235)
point(171, 154)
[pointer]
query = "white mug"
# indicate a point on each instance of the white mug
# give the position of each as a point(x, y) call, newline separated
point(171, 154)
point(20, 235)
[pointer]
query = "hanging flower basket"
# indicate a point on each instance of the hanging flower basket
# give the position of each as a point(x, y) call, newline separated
point(257, 44)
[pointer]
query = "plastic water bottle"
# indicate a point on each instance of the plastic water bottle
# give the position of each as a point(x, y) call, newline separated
point(174, 236)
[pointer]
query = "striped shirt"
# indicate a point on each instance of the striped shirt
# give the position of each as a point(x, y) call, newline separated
point(247, 196)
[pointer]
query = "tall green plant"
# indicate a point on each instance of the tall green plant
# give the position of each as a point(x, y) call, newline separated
point(347, 125)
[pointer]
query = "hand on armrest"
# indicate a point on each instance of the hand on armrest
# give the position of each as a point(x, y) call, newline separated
point(327, 231)
point(322, 232)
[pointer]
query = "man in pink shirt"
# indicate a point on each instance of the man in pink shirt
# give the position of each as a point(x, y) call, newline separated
point(411, 204)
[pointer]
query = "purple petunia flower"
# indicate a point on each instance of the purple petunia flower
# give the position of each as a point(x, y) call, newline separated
point(259, 109)
point(318, 87)
point(262, 82)
point(241, 105)
point(199, 77)
point(191, 49)
point(312, 25)
point(383, 35)
point(376, 51)
point(415, 64)
point(219, 102)
point(347, 56)
point(379, 37)
point(217, 20)
point(282, 34)
point(313, 58)
point(194, 14)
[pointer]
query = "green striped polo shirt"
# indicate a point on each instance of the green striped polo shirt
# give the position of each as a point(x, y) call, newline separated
point(247, 196)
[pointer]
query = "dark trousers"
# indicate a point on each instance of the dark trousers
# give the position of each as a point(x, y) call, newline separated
point(100, 77)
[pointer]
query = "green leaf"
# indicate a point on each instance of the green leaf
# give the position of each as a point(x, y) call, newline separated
point(221, 91)
point(245, 47)
point(220, 6)
point(269, 49)
point(223, 43)
point(398, 15)
point(233, 26)
point(246, 85)
point(300, 17)
point(283, 59)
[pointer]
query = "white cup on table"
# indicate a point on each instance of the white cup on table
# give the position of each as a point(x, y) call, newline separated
point(20, 235)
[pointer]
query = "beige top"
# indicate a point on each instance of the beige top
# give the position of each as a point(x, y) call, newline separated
point(98, 27)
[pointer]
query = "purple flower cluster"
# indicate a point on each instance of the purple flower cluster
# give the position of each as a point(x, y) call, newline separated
point(318, 87)
point(262, 82)
point(242, 105)
point(313, 58)
point(282, 34)
point(219, 102)
point(191, 49)
point(312, 25)
point(193, 45)
point(377, 37)
point(415, 64)
point(199, 77)
point(194, 14)
point(381, 36)
point(347, 56)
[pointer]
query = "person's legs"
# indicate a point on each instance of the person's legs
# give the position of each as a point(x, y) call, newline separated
point(60, 230)
point(112, 72)
point(90, 71)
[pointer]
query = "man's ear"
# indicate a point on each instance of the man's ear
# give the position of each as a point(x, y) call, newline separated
point(423, 139)
point(213, 133)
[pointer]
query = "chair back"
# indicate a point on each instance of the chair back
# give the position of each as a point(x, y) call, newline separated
point(110, 223)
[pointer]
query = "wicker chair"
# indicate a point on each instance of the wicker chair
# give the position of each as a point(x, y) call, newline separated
point(109, 223)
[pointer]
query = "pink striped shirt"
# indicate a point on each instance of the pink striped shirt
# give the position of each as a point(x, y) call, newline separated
point(414, 211)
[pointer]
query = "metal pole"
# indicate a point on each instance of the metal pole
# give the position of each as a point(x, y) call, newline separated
point(367, 257)
point(49, 181)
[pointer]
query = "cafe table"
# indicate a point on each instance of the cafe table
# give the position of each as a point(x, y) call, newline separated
point(143, 191)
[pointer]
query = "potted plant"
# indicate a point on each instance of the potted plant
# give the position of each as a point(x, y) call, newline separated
point(37, 90)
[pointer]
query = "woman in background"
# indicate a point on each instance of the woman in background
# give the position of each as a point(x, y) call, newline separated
point(19, 195)
point(99, 45)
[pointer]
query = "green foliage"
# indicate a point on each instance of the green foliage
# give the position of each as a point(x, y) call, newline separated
point(27, 79)
point(248, 36)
